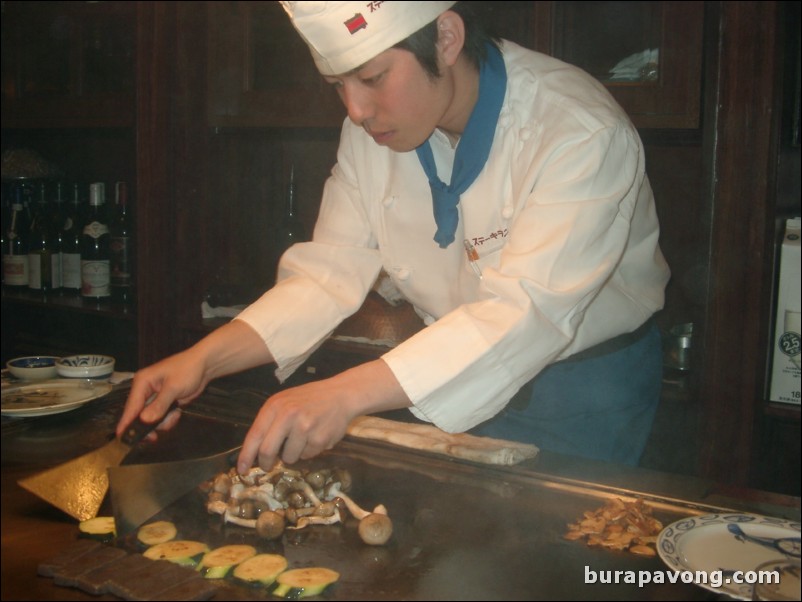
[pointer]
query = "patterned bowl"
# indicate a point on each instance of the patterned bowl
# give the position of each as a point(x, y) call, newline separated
point(97, 367)
point(36, 367)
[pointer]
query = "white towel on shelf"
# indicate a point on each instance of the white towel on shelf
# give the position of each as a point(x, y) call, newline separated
point(631, 68)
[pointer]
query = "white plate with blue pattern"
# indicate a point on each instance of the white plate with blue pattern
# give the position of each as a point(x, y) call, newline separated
point(50, 397)
point(728, 542)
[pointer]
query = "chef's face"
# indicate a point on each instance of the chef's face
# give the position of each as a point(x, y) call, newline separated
point(396, 102)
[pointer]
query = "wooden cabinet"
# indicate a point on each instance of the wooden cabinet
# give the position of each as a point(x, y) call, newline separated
point(261, 72)
point(68, 64)
point(69, 94)
point(70, 73)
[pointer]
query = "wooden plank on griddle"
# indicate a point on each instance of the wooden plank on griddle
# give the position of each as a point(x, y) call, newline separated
point(156, 576)
point(194, 589)
point(97, 581)
point(74, 551)
point(103, 555)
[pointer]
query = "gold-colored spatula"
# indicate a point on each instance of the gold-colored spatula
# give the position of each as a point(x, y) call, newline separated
point(79, 486)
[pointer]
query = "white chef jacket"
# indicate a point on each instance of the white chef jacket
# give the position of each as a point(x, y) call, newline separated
point(562, 217)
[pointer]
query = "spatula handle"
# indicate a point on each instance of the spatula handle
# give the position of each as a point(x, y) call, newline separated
point(138, 430)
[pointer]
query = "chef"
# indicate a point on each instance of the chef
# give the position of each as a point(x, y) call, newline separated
point(505, 195)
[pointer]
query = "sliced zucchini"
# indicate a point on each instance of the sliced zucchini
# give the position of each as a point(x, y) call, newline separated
point(217, 563)
point(302, 583)
point(158, 532)
point(261, 569)
point(101, 528)
point(183, 552)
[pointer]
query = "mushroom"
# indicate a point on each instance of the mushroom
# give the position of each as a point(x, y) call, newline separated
point(270, 525)
point(342, 476)
point(216, 506)
point(264, 494)
point(266, 501)
point(327, 513)
point(331, 489)
point(302, 486)
point(231, 517)
point(328, 508)
point(306, 521)
point(317, 478)
point(237, 488)
point(295, 514)
point(375, 529)
point(336, 492)
point(296, 499)
point(282, 472)
point(340, 480)
point(247, 509)
point(253, 476)
point(222, 483)
point(281, 490)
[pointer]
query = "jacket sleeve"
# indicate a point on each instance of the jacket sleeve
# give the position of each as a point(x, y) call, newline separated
point(322, 282)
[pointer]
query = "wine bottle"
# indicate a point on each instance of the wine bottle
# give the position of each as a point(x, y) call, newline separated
point(290, 229)
point(71, 244)
point(95, 251)
point(57, 219)
point(122, 278)
point(15, 251)
point(40, 245)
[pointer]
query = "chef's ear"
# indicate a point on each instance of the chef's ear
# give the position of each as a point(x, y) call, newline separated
point(450, 36)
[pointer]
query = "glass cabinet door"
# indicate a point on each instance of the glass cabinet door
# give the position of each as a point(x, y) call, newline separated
point(648, 54)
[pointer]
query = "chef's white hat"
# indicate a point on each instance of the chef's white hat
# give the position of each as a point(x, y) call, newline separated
point(345, 35)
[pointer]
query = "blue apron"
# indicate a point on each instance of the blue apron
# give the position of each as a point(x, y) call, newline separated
point(598, 406)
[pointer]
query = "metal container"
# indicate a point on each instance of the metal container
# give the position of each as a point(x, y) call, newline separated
point(677, 347)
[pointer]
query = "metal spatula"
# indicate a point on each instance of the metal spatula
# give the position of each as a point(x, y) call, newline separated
point(79, 486)
point(139, 491)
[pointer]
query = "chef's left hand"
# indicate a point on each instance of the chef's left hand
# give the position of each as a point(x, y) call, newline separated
point(301, 422)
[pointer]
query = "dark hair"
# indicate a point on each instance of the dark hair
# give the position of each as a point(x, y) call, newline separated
point(423, 43)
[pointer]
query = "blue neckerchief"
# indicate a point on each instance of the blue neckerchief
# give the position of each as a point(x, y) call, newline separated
point(473, 149)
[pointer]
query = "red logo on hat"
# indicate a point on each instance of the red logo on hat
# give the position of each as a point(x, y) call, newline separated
point(356, 23)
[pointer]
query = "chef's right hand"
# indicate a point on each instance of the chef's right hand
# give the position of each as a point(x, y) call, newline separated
point(178, 378)
point(182, 377)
